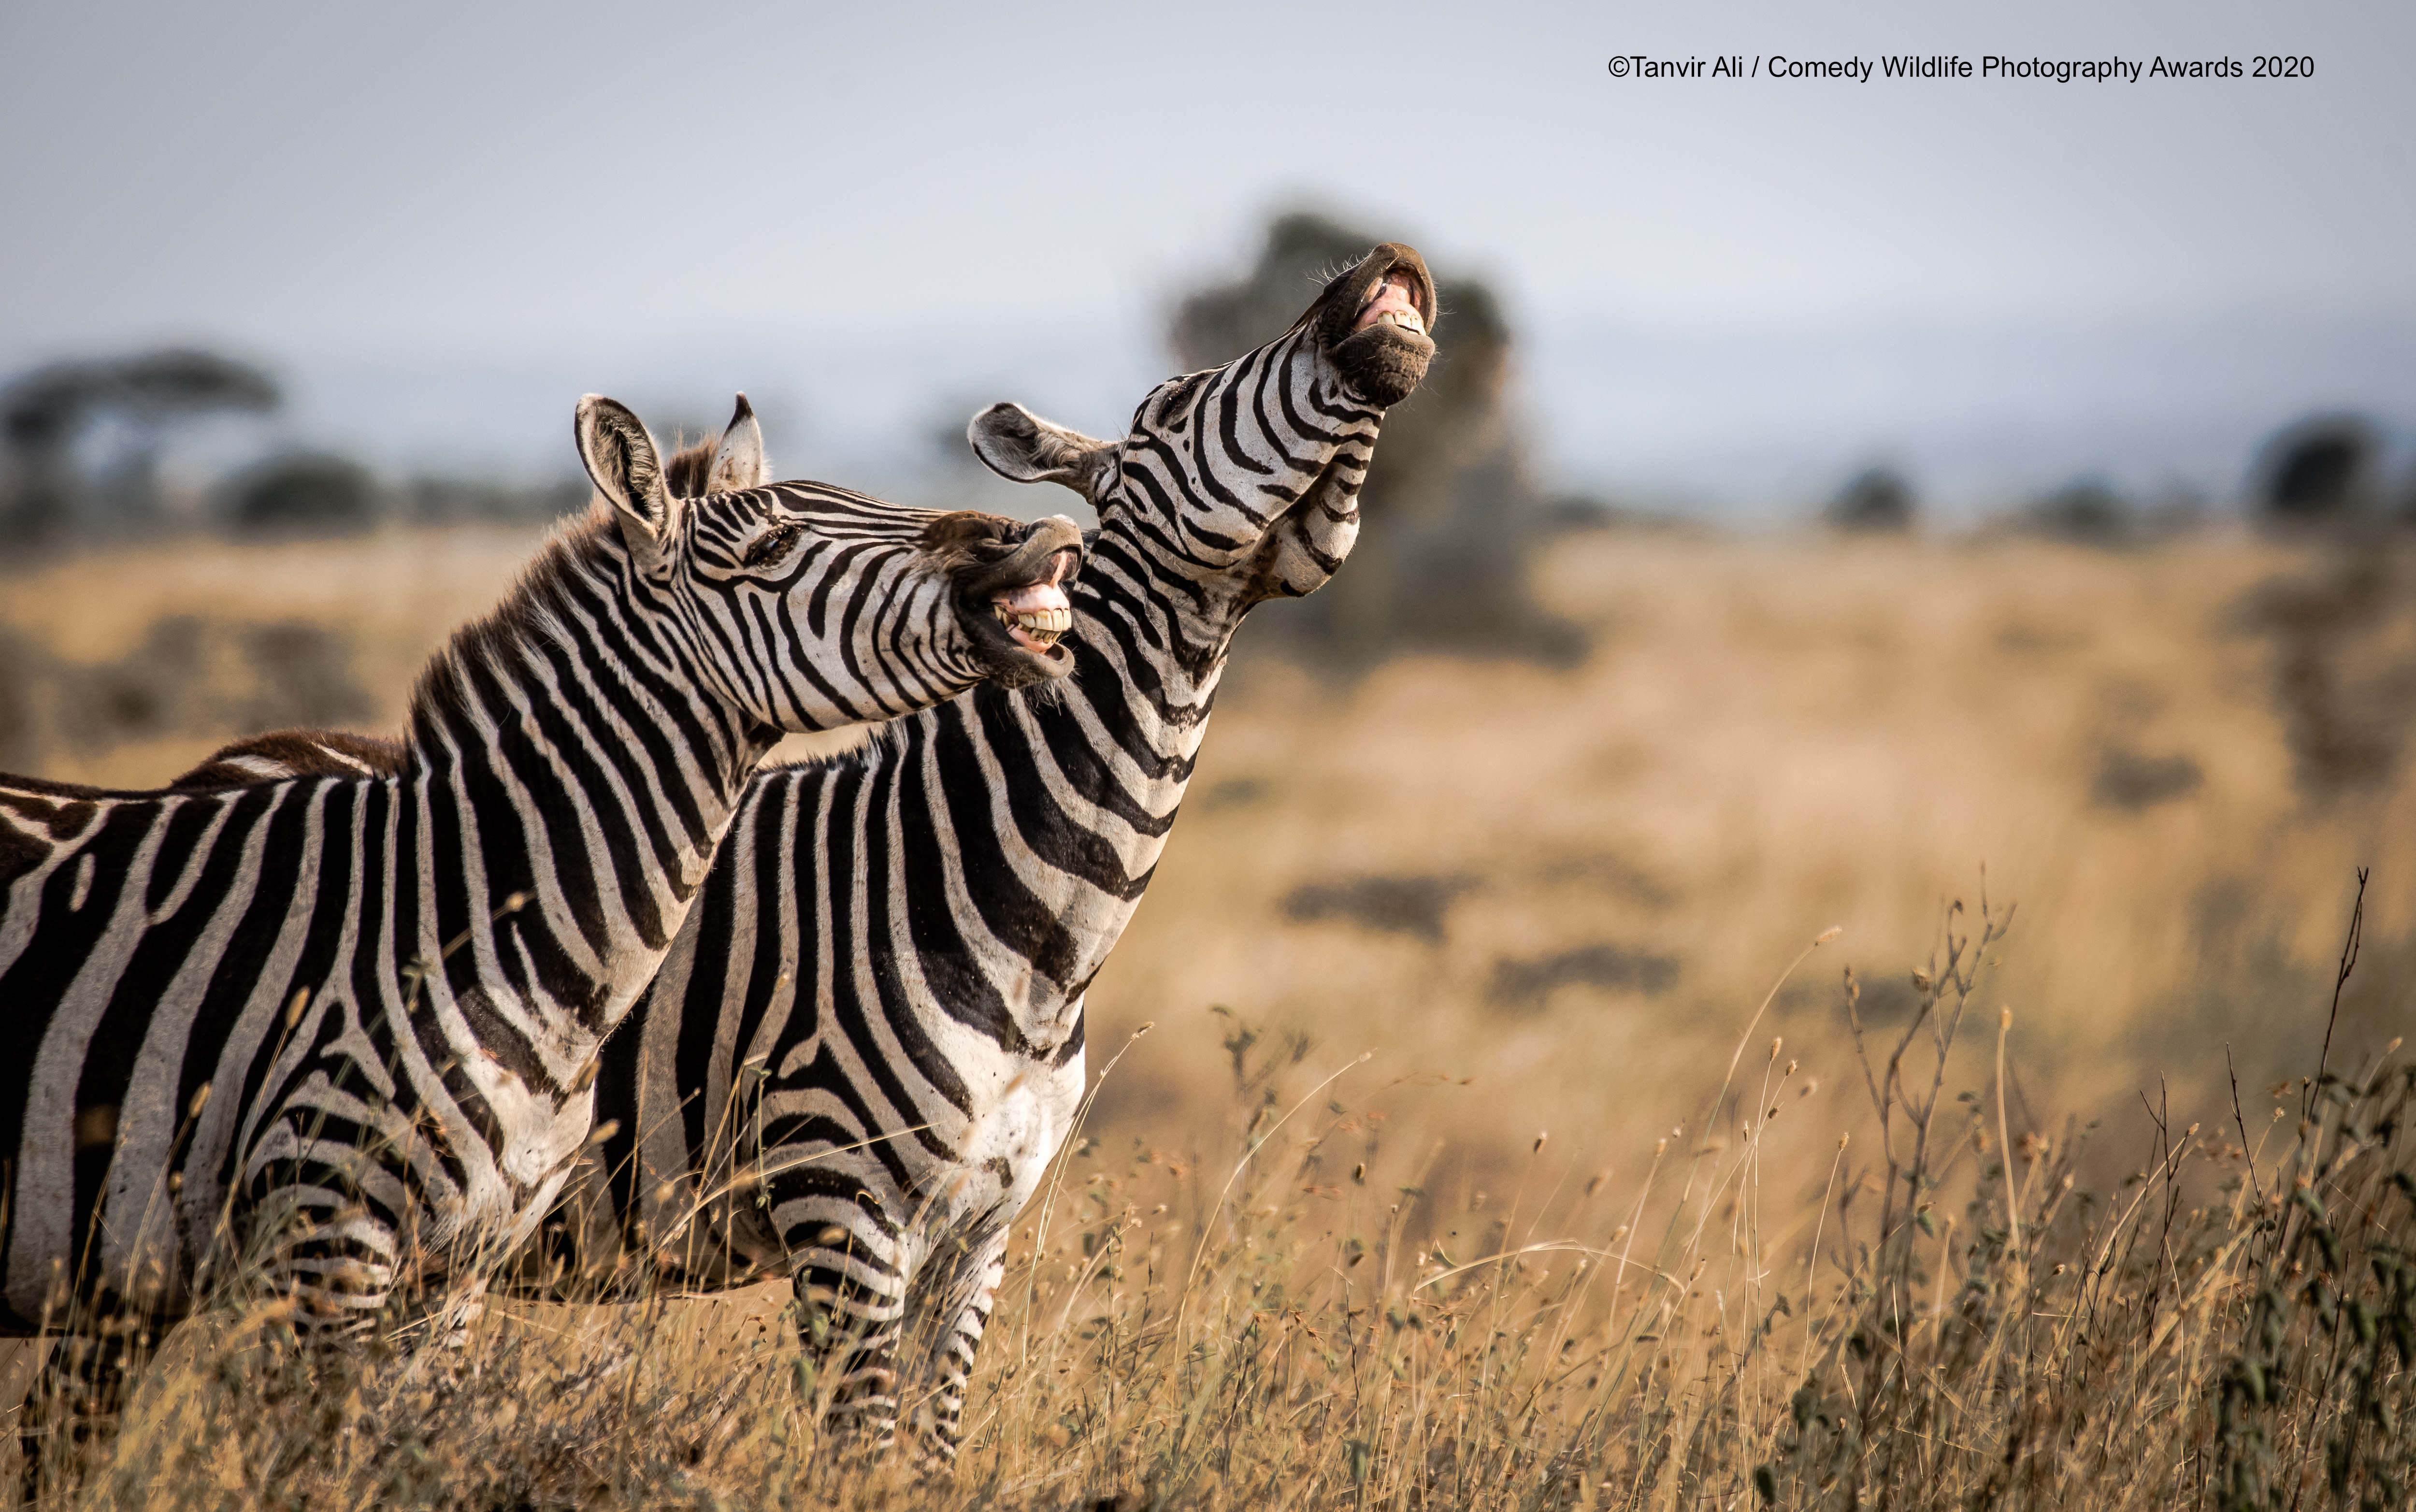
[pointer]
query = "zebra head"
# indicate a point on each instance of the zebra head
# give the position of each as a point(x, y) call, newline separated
point(809, 607)
point(1245, 479)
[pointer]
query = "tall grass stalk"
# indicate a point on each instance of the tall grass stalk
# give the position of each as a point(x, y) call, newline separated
point(1929, 1305)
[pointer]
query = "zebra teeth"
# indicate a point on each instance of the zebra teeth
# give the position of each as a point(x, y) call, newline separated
point(1394, 302)
point(1035, 615)
point(1035, 628)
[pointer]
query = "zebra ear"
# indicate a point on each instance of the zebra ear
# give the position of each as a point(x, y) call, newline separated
point(1021, 448)
point(739, 461)
point(622, 459)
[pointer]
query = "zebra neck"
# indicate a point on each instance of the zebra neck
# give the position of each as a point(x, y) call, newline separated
point(570, 756)
point(1151, 645)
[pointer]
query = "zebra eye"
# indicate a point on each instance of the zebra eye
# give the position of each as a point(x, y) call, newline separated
point(770, 544)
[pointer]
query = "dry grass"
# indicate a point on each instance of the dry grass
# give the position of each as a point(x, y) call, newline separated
point(1956, 1329)
point(1551, 902)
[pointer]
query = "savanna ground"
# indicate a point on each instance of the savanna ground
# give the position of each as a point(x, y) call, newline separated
point(1498, 1140)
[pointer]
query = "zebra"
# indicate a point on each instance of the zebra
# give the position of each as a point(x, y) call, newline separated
point(734, 460)
point(336, 1035)
point(867, 1040)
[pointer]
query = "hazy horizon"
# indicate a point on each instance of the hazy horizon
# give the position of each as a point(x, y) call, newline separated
point(442, 225)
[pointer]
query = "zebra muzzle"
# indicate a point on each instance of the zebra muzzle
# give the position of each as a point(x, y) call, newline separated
point(1024, 593)
point(1377, 323)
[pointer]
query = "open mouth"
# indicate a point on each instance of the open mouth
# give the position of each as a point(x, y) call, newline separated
point(1011, 582)
point(1376, 324)
point(1393, 302)
point(1037, 613)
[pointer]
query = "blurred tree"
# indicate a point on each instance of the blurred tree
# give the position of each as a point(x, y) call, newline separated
point(2086, 510)
point(444, 501)
point(24, 666)
point(2317, 471)
point(1452, 514)
point(301, 492)
point(45, 413)
point(1875, 499)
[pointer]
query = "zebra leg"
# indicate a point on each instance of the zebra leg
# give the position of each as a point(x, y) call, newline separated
point(851, 1296)
point(947, 1311)
point(434, 1327)
point(324, 1216)
point(75, 1402)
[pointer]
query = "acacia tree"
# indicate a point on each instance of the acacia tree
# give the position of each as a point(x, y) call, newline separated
point(44, 415)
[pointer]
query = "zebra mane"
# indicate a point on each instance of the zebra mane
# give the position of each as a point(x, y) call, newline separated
point(578, 547)
point(689, 467)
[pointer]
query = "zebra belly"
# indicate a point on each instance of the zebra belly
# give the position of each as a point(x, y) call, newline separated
point(511, 1190)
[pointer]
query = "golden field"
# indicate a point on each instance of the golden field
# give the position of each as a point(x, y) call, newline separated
point(1555, 910)
point(1771, 737)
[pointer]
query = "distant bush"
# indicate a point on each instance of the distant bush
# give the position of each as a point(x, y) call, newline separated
point(2318, 471)
point(1412, 905)
point(188, 675)
point(2344, 678)
point(1877, 500)
point(2129, 780)
point(2086, 510)
point(301, 492)
point(1527, 983)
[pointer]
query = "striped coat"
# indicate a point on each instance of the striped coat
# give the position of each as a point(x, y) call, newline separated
point(869, 1041)
point(338, 1034)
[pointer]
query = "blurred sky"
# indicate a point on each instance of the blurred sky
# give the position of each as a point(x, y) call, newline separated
point(443, 222)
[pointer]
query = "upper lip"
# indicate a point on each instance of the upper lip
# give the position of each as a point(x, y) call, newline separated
point(1390, 289)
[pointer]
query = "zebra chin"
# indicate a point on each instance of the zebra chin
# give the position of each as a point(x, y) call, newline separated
point(1384, 363)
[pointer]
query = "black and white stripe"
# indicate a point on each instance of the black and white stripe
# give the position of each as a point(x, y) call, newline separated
point(342, 1029)
point(867, 1042)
